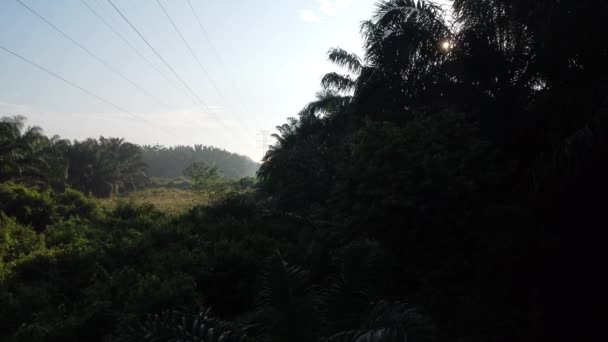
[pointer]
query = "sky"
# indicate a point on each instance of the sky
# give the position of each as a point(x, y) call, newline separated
point(261, 61)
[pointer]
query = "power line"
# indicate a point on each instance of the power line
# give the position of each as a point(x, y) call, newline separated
point(200, 24)
point(190, 49)
point(108, 102)
point(216, 53)
point(211, 80)
point(65, 35)
point(192, 94)
point(130, 45)
point(157, 53)
point(210, 113)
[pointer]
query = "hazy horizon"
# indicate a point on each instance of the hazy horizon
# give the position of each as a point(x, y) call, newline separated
point(267, 60)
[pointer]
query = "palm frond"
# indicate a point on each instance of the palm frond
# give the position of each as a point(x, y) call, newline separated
point(389, 322)
point(287, 304)
point(174, 326)
point(342, 58)
point(389, 13)
point(328, 102)
point(337, 82)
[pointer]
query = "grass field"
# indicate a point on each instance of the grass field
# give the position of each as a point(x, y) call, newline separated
point(171, 201)
point(173, 183)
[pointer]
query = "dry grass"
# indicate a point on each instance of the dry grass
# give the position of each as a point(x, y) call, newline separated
point(170, 201)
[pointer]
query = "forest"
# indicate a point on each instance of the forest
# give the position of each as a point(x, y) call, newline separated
point(447, 185)
point(170, 162)
point(103, 167)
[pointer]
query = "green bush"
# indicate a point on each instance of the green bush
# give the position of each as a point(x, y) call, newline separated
point(28, 205)
point(16, 242)
point(72, 203)
point(41, 208)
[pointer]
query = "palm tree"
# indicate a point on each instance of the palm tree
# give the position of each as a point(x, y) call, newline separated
point(402, 67)
point(290, 308)
point(106, 166)
point(388, 322)
point(176, 326)
point(288, 304)
point(27, 155)
point(295, 168)
point(131, 167)
point(54, 157)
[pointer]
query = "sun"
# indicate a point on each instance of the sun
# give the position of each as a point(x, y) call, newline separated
point(446, 46)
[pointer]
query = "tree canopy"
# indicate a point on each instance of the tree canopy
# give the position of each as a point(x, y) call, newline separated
point(172, 161)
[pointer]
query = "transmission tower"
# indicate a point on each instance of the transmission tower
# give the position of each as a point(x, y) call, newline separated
point(263, 141)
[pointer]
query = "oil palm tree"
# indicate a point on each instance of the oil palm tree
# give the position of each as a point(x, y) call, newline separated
point(106, 166)
point(404, 55)
point(403, 62)
point(295, 168)
point(27, 155)
point(174, 326)
point(289, 308)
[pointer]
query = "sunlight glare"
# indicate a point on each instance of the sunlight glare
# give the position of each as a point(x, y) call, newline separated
point(446, 46)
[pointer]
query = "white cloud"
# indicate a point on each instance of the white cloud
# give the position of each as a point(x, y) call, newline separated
point(326, 8)
point(343, 3)
point(230, 123)
point(214, 108)
point(309, 16)
point(330, 7)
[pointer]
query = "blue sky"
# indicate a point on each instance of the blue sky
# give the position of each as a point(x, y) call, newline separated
point(266, 59)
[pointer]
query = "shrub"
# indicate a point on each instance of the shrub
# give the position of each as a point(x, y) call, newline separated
point(27, 205)
point(16, 242)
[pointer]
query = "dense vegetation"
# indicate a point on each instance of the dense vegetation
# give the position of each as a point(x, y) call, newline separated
point(170, 162)
point(102, 167)
point(448, 186)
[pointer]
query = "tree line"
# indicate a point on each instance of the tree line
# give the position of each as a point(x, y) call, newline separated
point(172, 161)
point(101, 167)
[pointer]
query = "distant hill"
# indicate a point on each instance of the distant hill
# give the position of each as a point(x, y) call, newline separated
point(171, 161)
